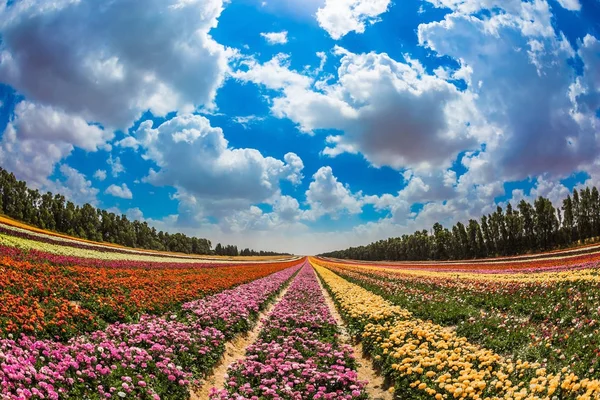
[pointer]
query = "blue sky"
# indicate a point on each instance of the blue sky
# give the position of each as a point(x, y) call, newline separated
point(301, 126)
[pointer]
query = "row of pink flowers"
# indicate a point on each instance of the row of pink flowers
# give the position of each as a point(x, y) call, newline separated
point(231, 310)
point(156, 358)
point(298, 354)
point(38, 256)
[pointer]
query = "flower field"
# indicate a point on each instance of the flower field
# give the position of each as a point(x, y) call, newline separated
point(153, 358)
point(78, 321)
point(513, 336)
point(60, 301)
point(298, 355)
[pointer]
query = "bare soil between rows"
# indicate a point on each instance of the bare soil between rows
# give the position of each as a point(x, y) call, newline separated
point(235, 350)
point(376, 386)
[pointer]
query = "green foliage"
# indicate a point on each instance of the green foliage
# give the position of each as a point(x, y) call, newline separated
point(525, 229)
point(53, 212)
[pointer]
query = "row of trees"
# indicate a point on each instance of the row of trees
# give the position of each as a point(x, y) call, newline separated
point(53, 212)
point(231, 250)
point(526, 229)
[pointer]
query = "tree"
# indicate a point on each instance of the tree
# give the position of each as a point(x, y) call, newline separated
point(546, 223)
point(514, 230)
point(519, 230)
point(595, 212)
point(54, 212)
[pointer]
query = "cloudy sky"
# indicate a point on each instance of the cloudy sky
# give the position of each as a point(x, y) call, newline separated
point(301, 125)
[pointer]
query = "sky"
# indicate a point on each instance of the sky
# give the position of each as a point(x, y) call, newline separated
point(301, 125)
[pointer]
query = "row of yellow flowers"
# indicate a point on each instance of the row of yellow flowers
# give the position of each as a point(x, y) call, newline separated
point(425, 360)
point(589, 274)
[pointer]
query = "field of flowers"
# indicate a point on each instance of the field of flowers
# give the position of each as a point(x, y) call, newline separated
point(59, 301)
point(78, 321)
point(157, 357)
point(17, 229)
point(508, 336)
point(85, 252)
point(297, 355)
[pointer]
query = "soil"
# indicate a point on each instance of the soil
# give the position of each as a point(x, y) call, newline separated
point(234, 350)
point(376, 387)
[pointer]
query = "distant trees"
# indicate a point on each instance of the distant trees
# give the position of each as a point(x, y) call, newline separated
point(53, 212)
point(524, 229)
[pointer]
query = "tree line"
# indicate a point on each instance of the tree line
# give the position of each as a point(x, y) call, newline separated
point(54, 212)
point(525, 229)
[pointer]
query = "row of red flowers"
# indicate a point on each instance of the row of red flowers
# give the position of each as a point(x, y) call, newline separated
point(545, 262)
point(61, 301)
point(156, 358)
point(38, 256)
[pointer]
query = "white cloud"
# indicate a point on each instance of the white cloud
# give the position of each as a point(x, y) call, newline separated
point(39, 137)
point(393, 113)
point(86, 58)
point(135, 214)
point(396, 114)
point(473, 6)
point(75, 188)
point(128, 142)
point(211, 178)
point(30, 160)
point(35, 122)
point(248, 120)
point(274, 74)
point(339, 17)
point(115, 165)
point(287, 209)
point(119, 191)
point(572, 5)
point(534, 130)
point(100, 174)
point(326, 195)
point(275, 37)
point(587, 89)
point(322, 60)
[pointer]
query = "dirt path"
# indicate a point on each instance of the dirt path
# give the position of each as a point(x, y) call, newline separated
point(234, 350)
point(376, 386)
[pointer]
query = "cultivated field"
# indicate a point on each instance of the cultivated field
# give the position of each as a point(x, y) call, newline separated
point(87, 320)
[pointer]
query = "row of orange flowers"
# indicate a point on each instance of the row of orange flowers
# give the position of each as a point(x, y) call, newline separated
point(61, 301)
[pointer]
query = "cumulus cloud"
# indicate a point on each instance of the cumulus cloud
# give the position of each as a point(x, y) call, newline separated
point(274, 74)
point(537, 128)
point(116, 167)
point(89, 59)
point(572, 5)
point(195, 158)
point(394, 113)
point(326, 195)
point(119, 191)
point(39, 137)
point(100, 174)
point(135, 214)
point(76, 187)
point(587, 89)
point(339, 17)
point(275, 37)
point(128, 142)
point(35, 122)
point(287, 209)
